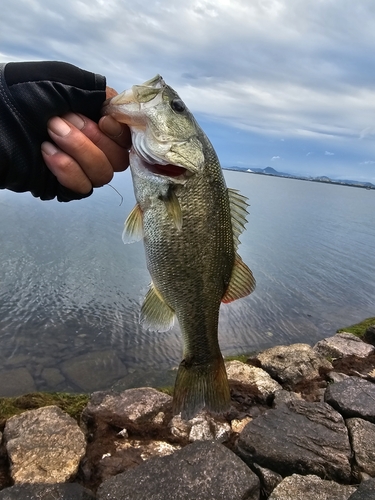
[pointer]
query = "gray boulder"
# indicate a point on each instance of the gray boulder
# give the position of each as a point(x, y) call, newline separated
point(353, 397)
point(362, 437)
point(301, 438)
point(44, 446)
point(366, 491)
point(310, 488)
point(342, 345)
point(202, 470)
point(68, 491)
point(246, 374)
point(132, 408)
point(292, 364)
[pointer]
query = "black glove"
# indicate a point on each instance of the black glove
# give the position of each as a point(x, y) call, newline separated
point(30, 94)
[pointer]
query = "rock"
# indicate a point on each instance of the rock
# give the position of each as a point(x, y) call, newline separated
point(337, 377)
point(362, 437)
point(342, 345)
point(353, 397)
point(44, 446)
point(310, 487)
point(292, 364)
point(16, 382)
point(203, 427)
point(269, 479)
point(52, 377)
point(69, 491)
point(301, 438)
point(239, 424)
point(132, 409)
point(369, 335)
point(105, 364)
point(202, 470)
point(285, 397)
point(366, 491)
point(246, 374)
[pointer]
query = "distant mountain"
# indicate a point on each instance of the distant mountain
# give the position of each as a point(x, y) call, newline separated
point(272, 172)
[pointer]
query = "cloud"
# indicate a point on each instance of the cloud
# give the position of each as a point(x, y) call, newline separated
point(367, 162)
point(270, 68)
point(309, 153)
point(275, 158)
point(328, 153)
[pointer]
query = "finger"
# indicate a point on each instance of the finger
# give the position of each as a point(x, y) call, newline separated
point(119, 132)
point(66, 169)
point(110, 92)
point(86, 154)
point(116, 149)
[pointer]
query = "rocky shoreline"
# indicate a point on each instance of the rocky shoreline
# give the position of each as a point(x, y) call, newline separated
point(301, 427)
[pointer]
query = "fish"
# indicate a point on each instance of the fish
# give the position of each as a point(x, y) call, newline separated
point(190, 223)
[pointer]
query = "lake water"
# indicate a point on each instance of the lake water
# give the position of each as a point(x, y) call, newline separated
point(70, 291)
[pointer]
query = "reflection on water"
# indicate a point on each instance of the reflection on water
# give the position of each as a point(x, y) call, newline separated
point(70, 291)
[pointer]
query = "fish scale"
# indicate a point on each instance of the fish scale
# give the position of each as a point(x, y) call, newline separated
point(190, 223)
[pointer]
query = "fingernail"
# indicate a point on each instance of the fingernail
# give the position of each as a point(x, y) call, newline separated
point(48, 148)
point(58, 126)
point(75, 120)
point(111, 127)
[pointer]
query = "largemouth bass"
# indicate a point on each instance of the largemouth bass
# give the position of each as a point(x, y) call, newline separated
point(190, 223)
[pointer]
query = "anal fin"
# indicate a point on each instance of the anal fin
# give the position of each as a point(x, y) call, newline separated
point(241, 284)
point(155, 312)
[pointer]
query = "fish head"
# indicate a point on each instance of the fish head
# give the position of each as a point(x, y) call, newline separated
point(165, 135)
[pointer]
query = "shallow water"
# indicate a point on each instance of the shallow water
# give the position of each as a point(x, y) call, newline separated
point(70, 291)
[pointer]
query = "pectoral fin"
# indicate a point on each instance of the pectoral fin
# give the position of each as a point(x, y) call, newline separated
point(173, 207)
point(133, 230)
point(155, 312)
point(242, 282)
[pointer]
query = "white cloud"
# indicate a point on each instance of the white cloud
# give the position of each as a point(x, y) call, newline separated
point(367, 162)
point(275, 158)
point(328, 153)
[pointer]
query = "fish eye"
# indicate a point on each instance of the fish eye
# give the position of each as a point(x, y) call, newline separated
point(177, 105)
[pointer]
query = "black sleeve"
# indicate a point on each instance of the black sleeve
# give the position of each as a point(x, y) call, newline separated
point(30, 94)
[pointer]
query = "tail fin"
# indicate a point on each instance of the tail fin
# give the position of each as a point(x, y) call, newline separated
point(201, 386)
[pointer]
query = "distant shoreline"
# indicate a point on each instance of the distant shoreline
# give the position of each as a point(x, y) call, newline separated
point(324, 180)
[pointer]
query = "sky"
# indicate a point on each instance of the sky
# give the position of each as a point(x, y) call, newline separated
point(283, 83)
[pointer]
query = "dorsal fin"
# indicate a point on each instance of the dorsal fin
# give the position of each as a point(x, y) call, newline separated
point(241, 284)
point(238, 211)
point(155, 312)
point(133, 230)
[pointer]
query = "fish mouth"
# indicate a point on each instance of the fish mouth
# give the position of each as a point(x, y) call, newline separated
point(168, 170)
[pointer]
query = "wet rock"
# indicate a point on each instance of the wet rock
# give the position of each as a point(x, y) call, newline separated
point(202, 470)
point(292, 364)
point(342, 345)
point(16, 382)
point(134, 409)
point(366, 491)
point(44, 446)
point(105, 364)
point(302, 438)
point(310, 487)
point(353, 397)
point(369, 335)
point(69, 491)
point(203, 427)
point(251, 375)
point(268, 479)
point(362, 437)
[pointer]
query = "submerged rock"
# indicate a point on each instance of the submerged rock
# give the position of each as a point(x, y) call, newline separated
point(44, 446)
point(202, 470)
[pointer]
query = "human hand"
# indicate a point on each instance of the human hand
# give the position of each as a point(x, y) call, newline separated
point(85, 154)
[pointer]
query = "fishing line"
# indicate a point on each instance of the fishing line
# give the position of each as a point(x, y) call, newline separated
point(122, 198)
